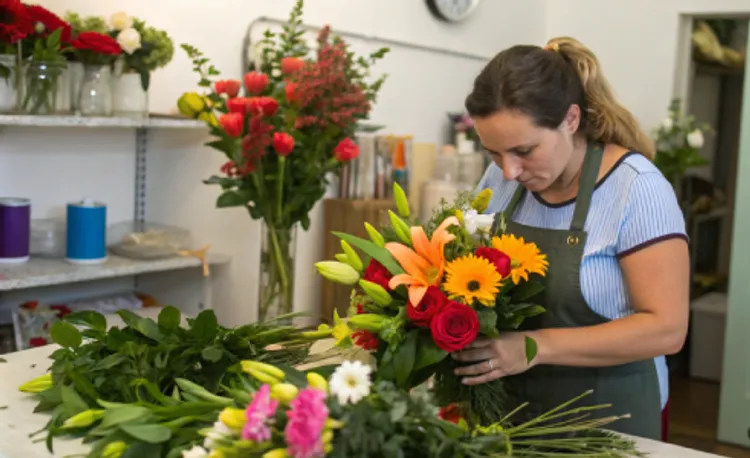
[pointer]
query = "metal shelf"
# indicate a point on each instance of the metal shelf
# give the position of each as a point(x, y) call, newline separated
point(156, 122)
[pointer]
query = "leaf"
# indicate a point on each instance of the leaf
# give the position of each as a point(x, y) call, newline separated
point(72, 400)
point(145, 326)
point(526, 291)
point(89, 318)
point(428, 353)
point(143, 450)
point(125, 414)
point(233, 198)
point(224, 182)
point(403, 359)
point(65, 334)
point(169, 318)
point(145, 79)
point(152, 434)
point(382, 255)
point(531, 349)
point(212, 354)
point(204, 326)
point(488, 322)
point(398, 410)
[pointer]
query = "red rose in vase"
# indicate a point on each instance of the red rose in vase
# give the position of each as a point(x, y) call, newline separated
point(376, 273)
point(97, 43)
point(346, 150)
point(500, 260)
point(44, 22)
point(431, 304)
point(454, 327)
point(15, 23)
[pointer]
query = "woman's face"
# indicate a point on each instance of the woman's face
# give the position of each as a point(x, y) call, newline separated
point(534, 156)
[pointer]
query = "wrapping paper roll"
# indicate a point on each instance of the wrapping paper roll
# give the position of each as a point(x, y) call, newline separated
point(86, 232)
point(15, 229)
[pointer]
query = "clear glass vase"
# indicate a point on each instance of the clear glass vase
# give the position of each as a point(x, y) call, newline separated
point(276, 275)
point(41, 80)
point(95, 98)
point(9, 91)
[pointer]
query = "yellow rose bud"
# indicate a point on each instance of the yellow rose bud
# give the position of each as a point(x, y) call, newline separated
point(481, 202)
point(317, 381)
point(402, 203)
point(276, 453)
point(375, 236)
point(400, 227)
point(264, 367)
point(376, 292)
point(232, 417)
point(114, 449)
point(352, 256)
point(284, 392)
point(368, 321)
point(338, 272)
point(83, 419)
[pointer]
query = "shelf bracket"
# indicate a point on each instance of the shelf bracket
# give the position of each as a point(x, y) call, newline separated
point(139, 206)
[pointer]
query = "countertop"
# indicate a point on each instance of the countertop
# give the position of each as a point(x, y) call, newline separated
point(17, 420)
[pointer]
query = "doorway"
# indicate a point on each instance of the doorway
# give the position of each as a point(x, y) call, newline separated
point(710, 84)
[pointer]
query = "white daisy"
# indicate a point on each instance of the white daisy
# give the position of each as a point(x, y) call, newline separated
point(350, 382)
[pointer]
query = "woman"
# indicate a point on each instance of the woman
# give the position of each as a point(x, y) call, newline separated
point(572, 173)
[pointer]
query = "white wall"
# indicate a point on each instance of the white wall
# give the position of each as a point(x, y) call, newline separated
point(420, 90)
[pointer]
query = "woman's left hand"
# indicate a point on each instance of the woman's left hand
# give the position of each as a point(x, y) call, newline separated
point(494, 358)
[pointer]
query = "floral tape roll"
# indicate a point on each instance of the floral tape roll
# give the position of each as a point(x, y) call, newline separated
point(86, 232)
point(15, 229)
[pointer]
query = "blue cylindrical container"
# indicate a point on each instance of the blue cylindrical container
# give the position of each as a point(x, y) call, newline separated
point(86, 232)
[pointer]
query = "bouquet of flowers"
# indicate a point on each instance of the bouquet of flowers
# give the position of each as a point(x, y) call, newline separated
point(283, 129)
point(430, 290)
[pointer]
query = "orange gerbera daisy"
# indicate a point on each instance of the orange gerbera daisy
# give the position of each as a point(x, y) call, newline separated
point(425, 264)
point(525, 258)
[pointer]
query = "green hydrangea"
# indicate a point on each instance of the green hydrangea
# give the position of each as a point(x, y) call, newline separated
point(157, 48)
point(86, 24)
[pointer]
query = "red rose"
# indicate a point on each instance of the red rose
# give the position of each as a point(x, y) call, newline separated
point(291, 92)
point(500, 260)
point(98, 43)
point(346, 150)
point(37, 342)
point(454, 327)
point(228, 87)
point(376, 273)
point(45, 22)
point(15, 23)
point(265, 105)
point(237, 105)
point(232, 124)
point(451, 413)
point(255, 82)
point(366, 340)
point(291, 65)
point(283, 143)
point(431, 304)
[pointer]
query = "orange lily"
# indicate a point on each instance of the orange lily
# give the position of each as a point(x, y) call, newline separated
point(425, 264)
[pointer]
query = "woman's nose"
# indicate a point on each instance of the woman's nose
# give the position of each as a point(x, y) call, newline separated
point(511, 168)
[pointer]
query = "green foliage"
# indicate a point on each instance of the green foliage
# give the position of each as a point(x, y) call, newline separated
point(80, 23)
point(156, 51)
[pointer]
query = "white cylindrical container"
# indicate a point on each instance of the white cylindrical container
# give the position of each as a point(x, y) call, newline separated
point(130, 100)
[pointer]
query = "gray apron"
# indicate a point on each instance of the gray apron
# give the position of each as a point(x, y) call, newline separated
point(631, 388)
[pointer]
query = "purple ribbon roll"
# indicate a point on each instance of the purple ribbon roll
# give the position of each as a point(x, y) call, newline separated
point(15, 229)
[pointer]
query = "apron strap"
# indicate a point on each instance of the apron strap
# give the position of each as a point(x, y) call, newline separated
point(589, 174)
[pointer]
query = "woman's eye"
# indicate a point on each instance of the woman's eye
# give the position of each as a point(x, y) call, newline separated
point(523, 152)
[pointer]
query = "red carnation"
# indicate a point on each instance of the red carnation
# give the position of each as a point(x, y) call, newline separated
point(378, 274)
point(346, 150)
point(454, 327)
point(256, 82)
point(15, 22)
point(283, 143)
point(431, 304)
point(45, 22)
point(500, 260)
point(366, 340)
point(97, 43)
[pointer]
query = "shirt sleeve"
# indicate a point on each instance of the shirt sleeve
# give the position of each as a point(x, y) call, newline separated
point(651, 215)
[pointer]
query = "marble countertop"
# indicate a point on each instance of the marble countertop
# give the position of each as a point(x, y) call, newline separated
point(17, 420)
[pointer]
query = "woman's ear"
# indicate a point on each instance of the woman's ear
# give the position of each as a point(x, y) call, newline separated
point(572, 119)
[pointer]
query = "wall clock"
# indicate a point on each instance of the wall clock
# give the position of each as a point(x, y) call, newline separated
point(452, 10)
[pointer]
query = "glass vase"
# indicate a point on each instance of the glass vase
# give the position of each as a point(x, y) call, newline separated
point(130, 100)
point(40, 83)
point(95, 98)
point(276, 274)
point(9, 91)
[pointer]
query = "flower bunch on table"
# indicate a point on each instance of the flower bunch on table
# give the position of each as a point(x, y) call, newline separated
point(284, 128)
point(425, 291)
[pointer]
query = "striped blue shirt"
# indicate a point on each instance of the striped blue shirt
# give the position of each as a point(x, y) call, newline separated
point(632, 207)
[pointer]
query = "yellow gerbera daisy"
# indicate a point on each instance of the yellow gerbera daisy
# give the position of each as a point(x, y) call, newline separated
point(471, 278)
point(525, 258)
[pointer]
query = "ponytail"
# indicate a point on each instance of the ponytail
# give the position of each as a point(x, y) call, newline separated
point(608, 121)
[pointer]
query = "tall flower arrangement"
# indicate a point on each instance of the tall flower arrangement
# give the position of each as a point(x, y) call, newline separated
point(283, 128)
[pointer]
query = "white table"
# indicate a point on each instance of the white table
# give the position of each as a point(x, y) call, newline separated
point(17, 420)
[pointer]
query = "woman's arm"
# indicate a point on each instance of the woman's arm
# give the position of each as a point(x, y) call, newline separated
point(657, 278)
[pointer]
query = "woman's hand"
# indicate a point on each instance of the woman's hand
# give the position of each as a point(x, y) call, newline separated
point(494, 358)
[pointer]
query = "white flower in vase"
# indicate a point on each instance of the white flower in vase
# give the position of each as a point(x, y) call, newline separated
point(695, 139)
point(129, 40)
point(350, 382)
point(120, 21)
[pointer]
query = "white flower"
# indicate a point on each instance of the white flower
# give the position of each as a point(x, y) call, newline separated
point(350, 382)
point(474, 222)
point(196, 452)
point(120, 21)
point(667, 124)
point(129, 40)
point(695, 139)
point(220, 431)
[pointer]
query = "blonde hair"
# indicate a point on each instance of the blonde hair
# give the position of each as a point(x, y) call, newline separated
point(608, 120)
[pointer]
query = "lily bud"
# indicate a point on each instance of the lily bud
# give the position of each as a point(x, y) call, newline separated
point(264, 367)
point(322, 332)
point(262, 376)
point(338, 272)
point(114, 449)
point(400, 227)
point(352, 256)
point(341, 257)
point(37, 385)
point(276, 453)
point(376, 292)
point(284, 392)
point(232, 417)
point(375, 236)
point(402, 203)
point(481, 202)
point(317, 381)
point(368, 322)
point(83, 419)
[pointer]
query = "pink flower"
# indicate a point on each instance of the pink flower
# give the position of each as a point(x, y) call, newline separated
point(260, 410)
point(307, 418)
